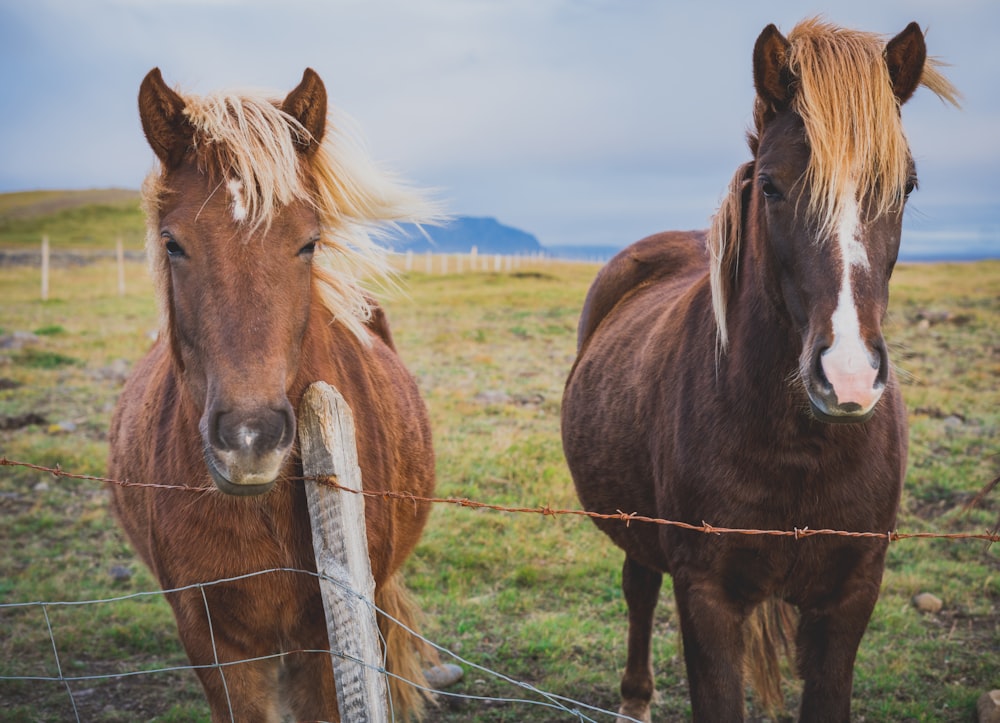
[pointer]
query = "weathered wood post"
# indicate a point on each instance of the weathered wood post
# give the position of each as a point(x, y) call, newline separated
point(120, 260)
point(340, 540)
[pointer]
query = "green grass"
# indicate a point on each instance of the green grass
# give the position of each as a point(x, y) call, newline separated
point(534, 597)
point(73, 220)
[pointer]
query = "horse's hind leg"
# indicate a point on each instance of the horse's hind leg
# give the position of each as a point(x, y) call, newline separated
point(642, 589)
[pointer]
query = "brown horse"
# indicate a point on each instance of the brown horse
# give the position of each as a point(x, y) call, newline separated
point(740, 377)
point(258, 216)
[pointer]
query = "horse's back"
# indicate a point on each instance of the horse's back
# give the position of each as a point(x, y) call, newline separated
point(662, 256)
point(635, 319)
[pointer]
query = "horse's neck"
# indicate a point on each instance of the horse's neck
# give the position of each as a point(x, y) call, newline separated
point(764, 348)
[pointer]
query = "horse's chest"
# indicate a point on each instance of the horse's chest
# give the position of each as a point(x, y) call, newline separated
point(231, 536)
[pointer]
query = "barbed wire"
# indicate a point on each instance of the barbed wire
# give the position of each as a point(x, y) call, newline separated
point(797, 533)
point(572, 708)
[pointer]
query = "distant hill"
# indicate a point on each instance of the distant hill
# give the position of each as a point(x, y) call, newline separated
point(73, 220)
point(461, 234)
point(93, 218)
point(31, 204)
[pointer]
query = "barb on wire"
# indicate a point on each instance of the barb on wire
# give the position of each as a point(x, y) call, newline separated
point(549, 700)
point(797, 533)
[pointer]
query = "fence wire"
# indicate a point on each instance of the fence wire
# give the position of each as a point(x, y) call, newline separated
point(575, 710)
point(798, 533)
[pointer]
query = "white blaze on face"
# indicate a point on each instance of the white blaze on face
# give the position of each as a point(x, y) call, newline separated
point(239, 204)
point(847, 364)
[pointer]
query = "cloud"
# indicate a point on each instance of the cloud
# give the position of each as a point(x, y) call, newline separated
point(570, 118)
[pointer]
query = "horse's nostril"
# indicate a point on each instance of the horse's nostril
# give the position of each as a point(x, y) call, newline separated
point(256, 432)
point(817, 368)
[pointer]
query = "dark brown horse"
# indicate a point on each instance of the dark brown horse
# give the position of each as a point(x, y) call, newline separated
point(739, 377)
point(257, 233)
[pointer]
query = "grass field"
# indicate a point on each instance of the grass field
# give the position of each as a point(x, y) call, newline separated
point(535, 598)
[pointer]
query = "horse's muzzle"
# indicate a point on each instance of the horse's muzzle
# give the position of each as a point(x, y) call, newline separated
point(246, 450)
point(845, 385)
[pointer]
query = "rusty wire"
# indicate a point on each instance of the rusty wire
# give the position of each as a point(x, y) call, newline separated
point(797, 533)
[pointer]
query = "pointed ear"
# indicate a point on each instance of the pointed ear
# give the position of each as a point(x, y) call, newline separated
point(307, 104)
point(905, 55)
point(771, 75)
point(163, 121)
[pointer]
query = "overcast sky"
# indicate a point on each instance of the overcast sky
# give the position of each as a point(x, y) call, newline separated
point(581, 121)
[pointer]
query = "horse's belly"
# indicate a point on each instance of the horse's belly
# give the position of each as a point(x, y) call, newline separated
point(609, 459)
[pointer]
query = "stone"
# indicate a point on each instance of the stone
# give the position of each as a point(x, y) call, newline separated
point(65, 427)
point(988, 707)
point(443, 676)
point(120, 573)
point(925, 602)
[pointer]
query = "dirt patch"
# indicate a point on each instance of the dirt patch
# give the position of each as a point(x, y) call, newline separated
point(20, 421)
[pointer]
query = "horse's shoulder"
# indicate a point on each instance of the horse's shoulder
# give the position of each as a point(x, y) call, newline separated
point(658, 257)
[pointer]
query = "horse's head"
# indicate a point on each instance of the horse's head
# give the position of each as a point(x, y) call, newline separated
point(236, 277)
point(824, 199)
point(259, 212)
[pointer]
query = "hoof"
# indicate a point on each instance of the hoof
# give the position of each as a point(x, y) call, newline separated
point(634, 710)
point(442, 676)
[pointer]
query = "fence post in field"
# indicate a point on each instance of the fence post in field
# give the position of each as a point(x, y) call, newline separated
point(409, 259)
point(120, 258)
point(326, 435)
point(45, 268)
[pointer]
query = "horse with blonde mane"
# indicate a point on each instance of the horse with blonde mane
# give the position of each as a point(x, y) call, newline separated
point(739, 377)
point(259, 217)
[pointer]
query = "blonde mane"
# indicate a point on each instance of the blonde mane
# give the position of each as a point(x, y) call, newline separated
point(249, 139)
point(844, 95)
point(845, 98)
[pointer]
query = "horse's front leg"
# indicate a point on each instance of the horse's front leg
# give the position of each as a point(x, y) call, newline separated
point(712, 630)
point(242, 692)
point(236, 691)
point(827, 642)
point(642, 589)
point(308, 687)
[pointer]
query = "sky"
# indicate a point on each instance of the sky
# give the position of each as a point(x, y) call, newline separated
point(584, 122)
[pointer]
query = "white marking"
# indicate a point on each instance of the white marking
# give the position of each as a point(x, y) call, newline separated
point(846, 326)
point(249, 436)
point(848, 362)
point(236, 193)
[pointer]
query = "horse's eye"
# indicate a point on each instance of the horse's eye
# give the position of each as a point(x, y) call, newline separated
point(768, 188)
point(308, 250)
point(173, 249)
point(910, 187)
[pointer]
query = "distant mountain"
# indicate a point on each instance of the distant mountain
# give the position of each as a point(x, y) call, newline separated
point(461, 234)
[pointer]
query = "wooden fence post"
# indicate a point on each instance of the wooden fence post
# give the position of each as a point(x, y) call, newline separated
point(120, 260)
point(326, 435)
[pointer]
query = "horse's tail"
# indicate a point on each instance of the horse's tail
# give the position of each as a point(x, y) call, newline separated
point(770, 635)
point(406, 655)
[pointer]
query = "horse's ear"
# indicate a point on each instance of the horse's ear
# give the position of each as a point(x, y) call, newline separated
point(307, 104)
point(771, 74)
point(905, 56)
point(162, 112)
